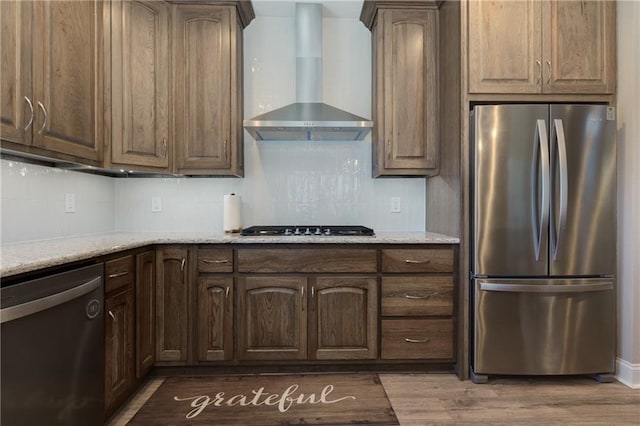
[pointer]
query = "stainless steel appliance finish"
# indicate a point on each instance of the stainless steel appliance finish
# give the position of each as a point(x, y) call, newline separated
point(308, 230)
point(544, 206)
point(52, 351)
point(308, 118)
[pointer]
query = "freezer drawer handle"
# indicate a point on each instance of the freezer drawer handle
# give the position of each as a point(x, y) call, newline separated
point(415, 261)
point(533, 288)
point(35, 306)
point(416, 340)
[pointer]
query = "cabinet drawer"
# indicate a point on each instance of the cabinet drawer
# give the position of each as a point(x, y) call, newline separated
point(417, 260)
point(417, 339)
point(307, 260)
point(215, 260)
point(405, 296)
point(119, 273)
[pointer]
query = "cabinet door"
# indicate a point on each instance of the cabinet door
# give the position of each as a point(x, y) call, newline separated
point(579, 41)
point(505, 46)
point(205, 90)
point(145, 312)
point(68, 77)
point(344, 318)
point(215, 319)
point(140, 83)
point(272, 318)
point(172, 305)
point(119, 340)
point(406, 137)
point(16, 102)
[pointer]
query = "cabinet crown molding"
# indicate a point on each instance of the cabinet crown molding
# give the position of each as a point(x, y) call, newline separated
point(370, 8)
point(244, 7)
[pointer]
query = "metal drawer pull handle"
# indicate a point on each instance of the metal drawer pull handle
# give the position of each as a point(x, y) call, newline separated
point(113, 317)
point(409, 296)
point(182, 264)
point(119, 274)
point(416, 340)
point(26, 127)
point(416, 261)
point(44, 123)
point(215, 261)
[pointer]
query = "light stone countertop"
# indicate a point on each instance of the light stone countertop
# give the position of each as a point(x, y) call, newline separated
point(18, 258)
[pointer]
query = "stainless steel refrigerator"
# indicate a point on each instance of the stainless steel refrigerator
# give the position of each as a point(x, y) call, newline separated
point(543, 249)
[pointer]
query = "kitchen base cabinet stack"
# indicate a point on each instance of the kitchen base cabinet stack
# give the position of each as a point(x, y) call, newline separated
point(215, 307)
point(145, 312)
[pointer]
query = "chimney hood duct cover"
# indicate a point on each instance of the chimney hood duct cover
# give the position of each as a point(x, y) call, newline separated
point(308, 118)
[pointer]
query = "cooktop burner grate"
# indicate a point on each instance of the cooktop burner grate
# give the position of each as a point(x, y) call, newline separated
point(308, 230)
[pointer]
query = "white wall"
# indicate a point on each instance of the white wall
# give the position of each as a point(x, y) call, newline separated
point(628, 140)
point(32, 203)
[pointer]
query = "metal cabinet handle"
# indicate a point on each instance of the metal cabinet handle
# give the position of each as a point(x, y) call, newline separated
point(417, 340)
point(164, 146)
point(409, 296)
point(226, 297)
point(182, 264)
point(119, 274)
point(302, 297)
point(224, 149)
point(549, 69)
point(215, 261)
point(539, 71)
point(26, 127)
point(313, 291)
point(416, 261)
point(113, 317)
point(389, 149)
point(44, 123)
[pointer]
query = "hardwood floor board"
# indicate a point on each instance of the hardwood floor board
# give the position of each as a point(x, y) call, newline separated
point(443, 399)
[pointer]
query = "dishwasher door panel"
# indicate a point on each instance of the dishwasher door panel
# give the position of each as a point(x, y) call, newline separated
point(544, 326)
point(52, 350)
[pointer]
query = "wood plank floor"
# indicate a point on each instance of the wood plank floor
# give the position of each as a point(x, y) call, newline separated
point(442, 399)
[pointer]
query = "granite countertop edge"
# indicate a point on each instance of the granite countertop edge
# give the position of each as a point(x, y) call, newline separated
point(17, 258)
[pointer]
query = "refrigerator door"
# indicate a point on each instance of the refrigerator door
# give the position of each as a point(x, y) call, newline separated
point(544, 326)
point(583, 201)
point(509, 149)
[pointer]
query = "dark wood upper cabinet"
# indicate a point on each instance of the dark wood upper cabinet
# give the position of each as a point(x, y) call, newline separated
point(140, 70)
point(207, 72)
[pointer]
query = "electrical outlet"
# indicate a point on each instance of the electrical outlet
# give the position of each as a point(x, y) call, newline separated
point(156, 204)
point(395, 205)
point(69, 203)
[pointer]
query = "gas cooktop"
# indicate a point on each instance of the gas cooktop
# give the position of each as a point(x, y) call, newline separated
point(308, 230)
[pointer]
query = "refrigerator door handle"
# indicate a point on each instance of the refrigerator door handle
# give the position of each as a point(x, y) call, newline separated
point(533, 288)
point(556, 234)
point(540, 162)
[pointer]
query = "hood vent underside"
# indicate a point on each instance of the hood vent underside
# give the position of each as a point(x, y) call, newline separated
point(308, 119)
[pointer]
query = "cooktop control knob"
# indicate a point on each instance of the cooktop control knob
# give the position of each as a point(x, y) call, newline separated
point(297, 232)
point(287, 231)
point(318, 232)
point(327, 231)
point(307, 232)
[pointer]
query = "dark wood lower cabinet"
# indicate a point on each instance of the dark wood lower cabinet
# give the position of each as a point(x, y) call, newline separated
point(272, 318)
point(344, 318)
point(119, 348)
point(215, 318)
point(172, 304)
point(145, 312)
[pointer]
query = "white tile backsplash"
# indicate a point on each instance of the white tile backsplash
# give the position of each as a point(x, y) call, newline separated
point(32, 202)
point(285, 182)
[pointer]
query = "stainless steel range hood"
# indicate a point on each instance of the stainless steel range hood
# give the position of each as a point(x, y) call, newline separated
point(308, 118)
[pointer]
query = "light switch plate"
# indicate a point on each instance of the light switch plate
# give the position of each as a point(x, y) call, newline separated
point(156, 204)
point(69, 203)
point(395, 205)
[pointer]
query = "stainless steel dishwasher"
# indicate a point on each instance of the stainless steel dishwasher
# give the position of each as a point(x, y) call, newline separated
point(52, 355)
